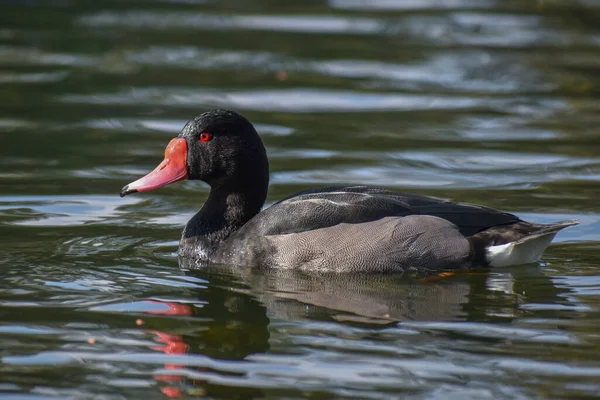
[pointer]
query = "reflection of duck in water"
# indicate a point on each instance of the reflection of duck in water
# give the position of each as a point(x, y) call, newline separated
point(229, 326)
point(342, 229)
point(373, 298)
point(380, 298)
point(245, 312)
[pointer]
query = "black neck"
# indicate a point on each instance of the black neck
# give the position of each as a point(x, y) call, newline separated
point(227, 209)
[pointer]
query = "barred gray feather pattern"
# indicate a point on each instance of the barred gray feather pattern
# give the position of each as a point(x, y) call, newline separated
point(391, 244)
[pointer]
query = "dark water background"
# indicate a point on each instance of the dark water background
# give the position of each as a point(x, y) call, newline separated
point(493, 102)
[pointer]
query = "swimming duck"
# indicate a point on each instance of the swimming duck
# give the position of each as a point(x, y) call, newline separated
point(340, 229)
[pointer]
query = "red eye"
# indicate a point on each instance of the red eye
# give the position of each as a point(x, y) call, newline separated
point(205, 137)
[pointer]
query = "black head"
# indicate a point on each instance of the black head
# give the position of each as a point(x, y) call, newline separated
point(219, 147)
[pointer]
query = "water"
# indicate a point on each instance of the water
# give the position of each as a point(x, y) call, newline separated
point(492, 102)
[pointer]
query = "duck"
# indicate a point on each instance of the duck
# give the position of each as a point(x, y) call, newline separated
point(358, 229)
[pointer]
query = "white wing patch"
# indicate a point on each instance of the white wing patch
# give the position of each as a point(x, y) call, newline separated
point(318, 202)
point(321, 201)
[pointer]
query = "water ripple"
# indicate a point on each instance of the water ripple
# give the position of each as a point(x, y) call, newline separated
point(313, 100)
point(175, 20)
